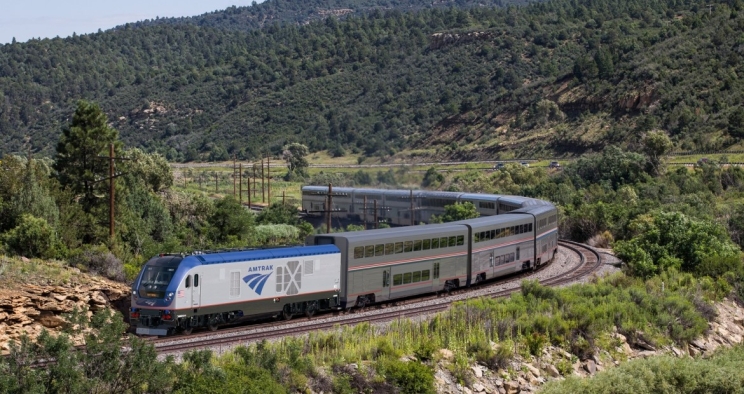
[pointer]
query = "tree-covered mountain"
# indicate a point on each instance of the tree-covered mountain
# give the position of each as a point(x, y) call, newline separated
point(547, 78)
point(301, 12)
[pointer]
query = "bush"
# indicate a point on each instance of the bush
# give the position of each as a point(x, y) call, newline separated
point(718, 374)
point(425, 350)
point(33, 237)
point(411, 377)
point(99, 260)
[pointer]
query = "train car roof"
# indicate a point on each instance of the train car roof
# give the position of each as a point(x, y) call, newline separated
point(438, 194)
point(480, 196)
point(537, 210)
point(493, 220)
point(396, 232)
point(263, 254)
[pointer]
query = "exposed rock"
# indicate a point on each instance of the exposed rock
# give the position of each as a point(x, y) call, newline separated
point(446, 354)
point(479, 387)
point(511, 387)
point(590, 367)
point(552, 371)
point(532, 369)
point(477, 371)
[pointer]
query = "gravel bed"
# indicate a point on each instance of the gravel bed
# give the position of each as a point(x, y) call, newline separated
point(565, 260)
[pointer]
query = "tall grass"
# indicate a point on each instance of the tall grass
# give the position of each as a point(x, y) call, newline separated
point(664, 310)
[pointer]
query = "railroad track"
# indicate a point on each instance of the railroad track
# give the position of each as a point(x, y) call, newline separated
point(589, 262)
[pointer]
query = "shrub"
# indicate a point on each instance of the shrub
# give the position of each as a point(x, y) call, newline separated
point(425, 350)
point(535, 343)
point(33, 237)
point(411, 377)
point(99, 260)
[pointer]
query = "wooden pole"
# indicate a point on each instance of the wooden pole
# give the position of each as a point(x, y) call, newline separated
point(216, 185)
point(111, 191)
point(234, 190)
point(240, 182)
point(284, 198)
point(254, 180)
point(249, 189)
point(376, 220)
point(328, 209)
point(268, 176)
point(411, 207)
point(263, 186)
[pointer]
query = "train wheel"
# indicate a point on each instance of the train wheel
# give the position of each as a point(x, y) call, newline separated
point(212, 326)
point(186, 329)
point(310, 309)
point(287, 313)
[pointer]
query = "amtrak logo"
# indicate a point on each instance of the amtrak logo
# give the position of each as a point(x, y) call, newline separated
point(257, 281)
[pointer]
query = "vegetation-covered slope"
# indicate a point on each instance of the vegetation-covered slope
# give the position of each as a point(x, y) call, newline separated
point(555, 77)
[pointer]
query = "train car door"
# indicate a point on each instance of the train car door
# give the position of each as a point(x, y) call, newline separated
point(386, 279)
point(196, 291)
point(491, 265)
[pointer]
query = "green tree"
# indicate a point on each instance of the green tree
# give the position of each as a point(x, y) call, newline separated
point(77, 162)
point(457, 211)
point(656, 144)
point(229, 221)
point(673, 240)
point(33, 237)
point(150, 168)
point(295, 156)
point(736, 123)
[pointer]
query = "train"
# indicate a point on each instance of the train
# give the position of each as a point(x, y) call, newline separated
point(175, 293)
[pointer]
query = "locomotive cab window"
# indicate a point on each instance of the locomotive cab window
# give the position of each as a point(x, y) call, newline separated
point(196, 280)
point(188, 281)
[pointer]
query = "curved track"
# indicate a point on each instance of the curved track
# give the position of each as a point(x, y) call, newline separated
point(589, 262)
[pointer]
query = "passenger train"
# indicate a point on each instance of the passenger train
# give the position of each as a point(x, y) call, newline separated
point(176, 293)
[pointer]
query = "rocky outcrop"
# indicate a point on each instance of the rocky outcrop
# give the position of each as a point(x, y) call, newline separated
point(439, 40)
point(35, 308)
point(338, 12)
point(639, 100)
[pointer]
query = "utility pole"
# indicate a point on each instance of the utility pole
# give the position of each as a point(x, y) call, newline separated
point(284, 198)
point(328, 209)
point(234, 177)
point(112, 186)
point(411, 207)
point(240, 182)
point(376, 220)
point(111, 191)
point(254, 180)
point(268, 175)
point(263, 186)
point(365, 212)
point(249, 187)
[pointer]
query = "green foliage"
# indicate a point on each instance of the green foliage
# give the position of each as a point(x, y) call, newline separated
point(410, 377)
point(295, 156)
point(99, 260)
point(229, 221)
point(108, 362)
point(278, 213)
point(673, 240)
point(83, 140)
point(432, 178)
point(33, 237)
point(717, 374)
point(276, 234)
point(457, 211)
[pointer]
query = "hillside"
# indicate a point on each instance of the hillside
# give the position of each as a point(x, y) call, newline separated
point(551, 78)
point(272, 12)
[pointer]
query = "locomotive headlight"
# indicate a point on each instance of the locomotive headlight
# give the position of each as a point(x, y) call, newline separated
point(170, 295)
